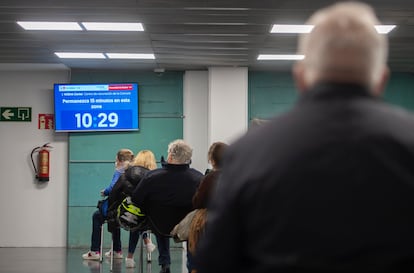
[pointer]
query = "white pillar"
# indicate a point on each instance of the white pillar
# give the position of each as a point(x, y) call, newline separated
point(228, 97)
point(195, 131)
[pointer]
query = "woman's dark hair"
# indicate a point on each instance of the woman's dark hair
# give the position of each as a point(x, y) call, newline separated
point(215, 153)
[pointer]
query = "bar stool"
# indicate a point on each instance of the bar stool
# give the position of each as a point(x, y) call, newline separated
point(101, 247)
point(141, 254)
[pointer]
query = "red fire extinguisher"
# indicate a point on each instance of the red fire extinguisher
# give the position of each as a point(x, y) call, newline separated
point(42, 172)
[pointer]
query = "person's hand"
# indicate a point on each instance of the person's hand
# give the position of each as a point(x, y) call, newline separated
point(102, 193)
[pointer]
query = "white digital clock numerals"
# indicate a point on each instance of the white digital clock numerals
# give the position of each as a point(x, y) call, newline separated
point(105, 120)
point(102, 120)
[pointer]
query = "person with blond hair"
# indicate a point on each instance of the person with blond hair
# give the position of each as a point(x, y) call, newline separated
point(143, 162)
point(327, 186)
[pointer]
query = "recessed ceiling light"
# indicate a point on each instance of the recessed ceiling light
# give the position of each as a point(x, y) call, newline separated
point(80, 55)
point(215, 24)
point(106, 26)
point(291, 29)
point(382, 29)
point(32, 25)
point(280, 57)
point(215, 8)
point(130, 56)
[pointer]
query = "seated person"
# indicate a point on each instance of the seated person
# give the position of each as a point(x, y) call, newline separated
point(173, 185)
point(202, 197)
point(123, 158)
point(144, 161)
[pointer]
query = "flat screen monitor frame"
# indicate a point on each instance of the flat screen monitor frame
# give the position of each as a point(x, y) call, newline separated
point(96, 107)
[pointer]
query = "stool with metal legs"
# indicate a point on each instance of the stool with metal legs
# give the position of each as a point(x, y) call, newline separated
point(149, 258)
point(141, 254)
point(101, 248)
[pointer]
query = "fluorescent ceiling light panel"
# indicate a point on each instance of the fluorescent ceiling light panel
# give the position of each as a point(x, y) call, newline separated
point(291, 29)
point(214, 8)
point(32, 25)
point(80, 55)
point(130, 56)
point(280, 57)
point(215, 24)
point(105, 26)
point(382, 29)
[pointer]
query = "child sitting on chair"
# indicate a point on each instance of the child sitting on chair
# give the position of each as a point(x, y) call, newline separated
point(123, 158)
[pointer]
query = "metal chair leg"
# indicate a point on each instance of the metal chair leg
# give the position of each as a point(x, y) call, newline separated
point(149, 258)
point(112, 255)
point(141, 255)
point(102, 242)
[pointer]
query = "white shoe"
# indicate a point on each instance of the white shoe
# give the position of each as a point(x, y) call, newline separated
point(117, 254)
point(150, 247)
point(129, 262)
point(91, 255)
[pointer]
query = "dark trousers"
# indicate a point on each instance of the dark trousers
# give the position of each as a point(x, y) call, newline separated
point(163, 243)
point(97, 222)
point(133, 240)
point(164, 258)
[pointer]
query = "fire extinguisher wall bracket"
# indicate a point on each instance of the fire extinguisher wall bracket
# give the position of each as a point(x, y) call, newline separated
point(42, 170)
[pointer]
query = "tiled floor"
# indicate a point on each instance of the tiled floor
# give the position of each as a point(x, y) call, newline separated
point(63, 260)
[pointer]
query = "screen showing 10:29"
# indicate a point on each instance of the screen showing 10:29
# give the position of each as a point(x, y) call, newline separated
point(96, 107)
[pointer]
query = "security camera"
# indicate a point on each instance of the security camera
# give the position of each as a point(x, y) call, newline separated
point(159, 71)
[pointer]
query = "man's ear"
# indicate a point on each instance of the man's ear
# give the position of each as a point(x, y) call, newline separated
point(299, 76)
point(379, 89)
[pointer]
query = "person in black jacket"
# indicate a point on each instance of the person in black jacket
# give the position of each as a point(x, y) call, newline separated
point(329, 185)
point(171, 186)
point(144, 161)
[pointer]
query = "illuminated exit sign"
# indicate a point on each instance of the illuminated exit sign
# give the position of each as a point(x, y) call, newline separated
point(16, 114)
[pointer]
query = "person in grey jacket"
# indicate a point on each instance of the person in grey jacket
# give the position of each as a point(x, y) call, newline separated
point(329, 185)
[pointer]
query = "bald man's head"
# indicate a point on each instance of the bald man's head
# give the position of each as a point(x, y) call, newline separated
point(343, 47)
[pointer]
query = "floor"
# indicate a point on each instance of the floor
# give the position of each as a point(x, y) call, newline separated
point(69, 260)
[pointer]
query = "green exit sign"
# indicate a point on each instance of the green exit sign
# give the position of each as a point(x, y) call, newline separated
point(16, 114)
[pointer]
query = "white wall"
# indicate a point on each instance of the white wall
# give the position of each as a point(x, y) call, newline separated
point(33, 214)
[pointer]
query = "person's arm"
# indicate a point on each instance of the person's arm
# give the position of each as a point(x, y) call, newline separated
point(117, 193)
point(115, 178)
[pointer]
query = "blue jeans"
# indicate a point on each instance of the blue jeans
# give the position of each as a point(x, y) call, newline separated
point(97, 222)
point(163, 243)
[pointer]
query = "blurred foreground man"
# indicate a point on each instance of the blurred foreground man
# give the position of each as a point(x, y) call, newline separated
point(328, 186)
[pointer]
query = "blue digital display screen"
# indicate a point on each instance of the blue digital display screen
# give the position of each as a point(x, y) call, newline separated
point(96, 107)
